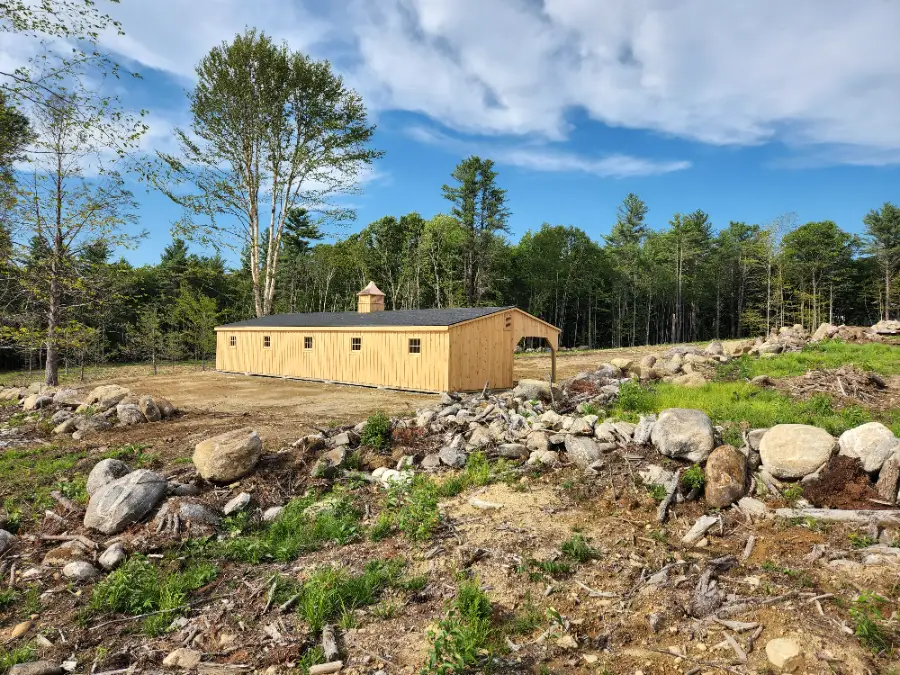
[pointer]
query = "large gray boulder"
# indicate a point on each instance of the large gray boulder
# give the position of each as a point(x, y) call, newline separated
point(129, 414)
point(583, 450)
point(229, 456)
point(36, 402)
point(535, 390)
point(124, 501)
point(870, 443)
point(683, 433)
point(106, 396)
point(795, 450)
point(166, 409)
point(67, 397)
point(149, 409)
point(105, 471)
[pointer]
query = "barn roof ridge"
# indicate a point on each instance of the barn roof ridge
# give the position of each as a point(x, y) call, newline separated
point(352, 319)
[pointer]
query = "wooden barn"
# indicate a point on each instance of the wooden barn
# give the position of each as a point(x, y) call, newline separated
point(457, 349)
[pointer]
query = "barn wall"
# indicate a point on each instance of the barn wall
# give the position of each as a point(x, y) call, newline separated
point(384, 359)
point(481, 350)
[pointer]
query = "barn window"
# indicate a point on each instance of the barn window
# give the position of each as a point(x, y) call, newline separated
point(307, 342)
point(233, 341)
point(507, 322)
point(415, 346)
point(267, 341)
point(356, 344)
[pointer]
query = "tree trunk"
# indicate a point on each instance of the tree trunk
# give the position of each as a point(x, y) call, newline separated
point(51, 372)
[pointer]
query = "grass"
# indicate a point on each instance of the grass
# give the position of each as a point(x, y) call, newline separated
point(728, 402)
point(331, 592)
point(15, 655)
point(867, 616)
point(464, 635)
point(29, 475)
point(100, 372)
point(860, 540)
point(306, 524)
point(527, 619)
point(413, 508)
point(874, 357)
point(577, 548)
point(139, 587)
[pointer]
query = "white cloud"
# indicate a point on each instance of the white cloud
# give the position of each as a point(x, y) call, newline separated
point(543, 157)
point(820, 76)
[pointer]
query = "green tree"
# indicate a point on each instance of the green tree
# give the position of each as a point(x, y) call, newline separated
point(883, 243)
point(272, 130)
point(198, 316)
point(146, 338)
point(479, 205)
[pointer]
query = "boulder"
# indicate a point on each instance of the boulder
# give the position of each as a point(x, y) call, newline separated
point(36, 402)
point(537, 440)
point(43, 667)
point(61, 416)
point(112, 557)
point(184, 658)
point(451, 455)
point(870, 443)
point(623, 365)
point(105, 471)
point(6, 540)
point(197, 513)
point(88, 426)
point(480, 438)
point(582, 450)
point(726, 477)
point(683, 433)
point(149, 409)
point(430, 462)
point(237, 503)
point(67, 426)
point(229, 456)
point(580, 425)
point(825, 331)
point(535, 390)
point(66, 553)
point(513, 451)
point(715, 348)
point(80, 571)
point(124, 501)
point(690, 380)
point(271, 514)
point(785, 654)
point(129, 414)
point(752, 507)
point(771, 348)
point(166, 409)
point(888, 480)
point(67, 397)
point(795, 450)
point(608, 371)
point(106, 396)
point(644, 428)
point(328, 465)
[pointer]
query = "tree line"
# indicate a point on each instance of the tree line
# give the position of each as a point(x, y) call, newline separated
point(276, 138)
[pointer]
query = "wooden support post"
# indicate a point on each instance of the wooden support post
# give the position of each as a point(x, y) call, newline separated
point(552, 365)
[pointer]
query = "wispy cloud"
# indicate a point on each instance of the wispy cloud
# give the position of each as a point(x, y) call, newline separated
point(547, 158)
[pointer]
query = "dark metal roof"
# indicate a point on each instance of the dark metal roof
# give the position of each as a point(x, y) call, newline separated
point(401, 317)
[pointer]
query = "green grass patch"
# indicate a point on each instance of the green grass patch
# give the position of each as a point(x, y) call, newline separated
point(28, 476)
point(14, 655)
point(464, 636)
point(729, 402)
point(576, 548)
point(132, 454)
point(139, 587)
point(413, 508)
point(694, 478)
point(873, 357)
point(306, 524)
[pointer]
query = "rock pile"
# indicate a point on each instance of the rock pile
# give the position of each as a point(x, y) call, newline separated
point(80, 414)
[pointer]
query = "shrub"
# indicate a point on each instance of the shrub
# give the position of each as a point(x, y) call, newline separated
point(463, 635)
point(694, 478)
point(376, 433)
point(578, 549)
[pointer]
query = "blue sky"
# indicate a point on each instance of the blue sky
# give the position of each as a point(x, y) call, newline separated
point(746, 110)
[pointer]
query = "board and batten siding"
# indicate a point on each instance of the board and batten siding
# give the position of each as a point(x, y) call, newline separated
point(481, 350)
point(383, 360)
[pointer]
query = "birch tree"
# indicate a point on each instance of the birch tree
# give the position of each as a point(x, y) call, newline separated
point(272, 130)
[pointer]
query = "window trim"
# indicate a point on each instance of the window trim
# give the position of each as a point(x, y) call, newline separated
point(232, 341)
point(308, 339)
point(356, 344)
point(267, 341)
point(418, 346)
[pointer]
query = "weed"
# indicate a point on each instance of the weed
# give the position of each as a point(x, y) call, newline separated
point(311, 657)
point(527, 618)
point(21, 654)
point(303, 525)
point(866, 615)
point(792, 493)
point(658, 535)
point(860, 540)
point(385, 610)
point(657, 491)
point(591, 409)
point(75, 489)
point(551, 568)
point(376, 433)
point(383, 527)
point(132, 453)
point(7, 597)
point(578, 549)
point(463, 634)
point(138, 587)
point(331, 592)
point(694, 478)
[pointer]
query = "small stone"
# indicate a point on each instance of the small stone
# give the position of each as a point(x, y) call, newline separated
point(784, 654)
point(36, 668)
point(452, 457)
point(271, 513)
point(430, 462)
point(752, 507)
point(238, 503)
point(6, 540)
point(513, 451)
point(20, 629)
point(183, 658)
point(112, 557)
point(80, 570)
